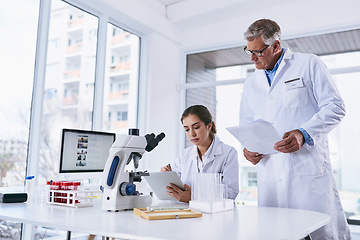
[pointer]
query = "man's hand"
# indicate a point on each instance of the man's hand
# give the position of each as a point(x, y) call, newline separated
point(292, 141)
point(180, 195)
point(252, 157)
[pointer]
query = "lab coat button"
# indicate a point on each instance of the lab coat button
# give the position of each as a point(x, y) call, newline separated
point(280, 180)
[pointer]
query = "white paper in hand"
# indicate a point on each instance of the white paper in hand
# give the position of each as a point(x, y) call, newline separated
point(258, 136)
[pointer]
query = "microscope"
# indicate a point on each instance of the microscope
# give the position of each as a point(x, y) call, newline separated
point(119, 190)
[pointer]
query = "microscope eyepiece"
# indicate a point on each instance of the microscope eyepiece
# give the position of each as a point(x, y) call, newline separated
point(153, 141)
point(160, 136)
point(134, 131)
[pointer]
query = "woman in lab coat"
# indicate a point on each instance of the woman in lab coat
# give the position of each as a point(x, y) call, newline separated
point(208, 155)
point(303, 104)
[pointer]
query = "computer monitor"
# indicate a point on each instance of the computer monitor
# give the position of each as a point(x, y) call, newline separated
point(83, 154)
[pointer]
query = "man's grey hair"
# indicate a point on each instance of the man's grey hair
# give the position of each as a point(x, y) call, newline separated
point(267, 29)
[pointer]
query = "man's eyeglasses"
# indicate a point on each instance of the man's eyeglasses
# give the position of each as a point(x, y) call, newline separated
point(256, 53)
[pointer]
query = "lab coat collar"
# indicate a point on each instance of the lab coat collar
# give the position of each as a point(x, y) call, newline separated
point(262, 80)
point(214, 149)
point(287, 55)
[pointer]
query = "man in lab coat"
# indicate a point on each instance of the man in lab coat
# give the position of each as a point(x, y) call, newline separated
point(296, 94)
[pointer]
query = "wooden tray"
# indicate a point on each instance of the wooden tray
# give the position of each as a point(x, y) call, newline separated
point(166, 214)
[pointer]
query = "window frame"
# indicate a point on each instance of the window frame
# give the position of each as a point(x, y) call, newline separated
point(36, 112)
point(40, 68)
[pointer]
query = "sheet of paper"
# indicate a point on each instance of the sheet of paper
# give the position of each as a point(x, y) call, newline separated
point(259, 136)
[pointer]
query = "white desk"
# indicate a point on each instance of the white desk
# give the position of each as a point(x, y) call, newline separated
point(245, 222)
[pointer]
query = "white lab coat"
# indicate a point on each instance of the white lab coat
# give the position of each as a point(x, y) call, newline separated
point(303, 179)
point(219, 158)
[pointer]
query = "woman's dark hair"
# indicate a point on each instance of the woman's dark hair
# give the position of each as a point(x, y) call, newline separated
point(203, 113)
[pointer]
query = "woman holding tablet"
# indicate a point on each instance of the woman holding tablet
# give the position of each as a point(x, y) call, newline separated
point(208, 155)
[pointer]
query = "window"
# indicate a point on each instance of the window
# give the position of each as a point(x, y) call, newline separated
point(121, 116)
point(74, 76)
point(92, 34)
point(17, 58)
point(53, 43)
point(120, 97)
point(70, 80)
point(252, 179)
point(69, 85)
point(51, 93)
point(344, 139)
point(15, 93)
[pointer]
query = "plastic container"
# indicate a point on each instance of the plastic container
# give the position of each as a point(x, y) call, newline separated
point(67, 193)
point(29, 187)
point(208, 194)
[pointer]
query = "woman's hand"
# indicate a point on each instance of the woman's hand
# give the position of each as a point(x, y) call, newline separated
point(180, 195)
point(167, 168)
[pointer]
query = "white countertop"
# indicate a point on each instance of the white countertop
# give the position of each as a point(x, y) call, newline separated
point(244, 222)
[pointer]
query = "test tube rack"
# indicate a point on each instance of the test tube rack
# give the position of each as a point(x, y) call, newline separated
point(212, 207)
point(208, 194)
point(65, 193)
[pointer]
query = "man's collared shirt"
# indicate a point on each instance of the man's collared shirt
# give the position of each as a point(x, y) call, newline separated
point(270, 74)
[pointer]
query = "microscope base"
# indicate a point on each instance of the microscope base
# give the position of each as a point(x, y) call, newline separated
point(127, 203)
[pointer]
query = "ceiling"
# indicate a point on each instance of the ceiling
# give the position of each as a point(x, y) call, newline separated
point(325, 44)
point(181, 12)
point(170, 2)
point(190, 15)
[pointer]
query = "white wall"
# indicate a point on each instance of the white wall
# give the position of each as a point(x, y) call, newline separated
point(296, 18)
point(160, 74)
point(161, 101)
point(138, 18)
point(162, 108)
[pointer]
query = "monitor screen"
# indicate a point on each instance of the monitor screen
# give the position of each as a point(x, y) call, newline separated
point(84, 151)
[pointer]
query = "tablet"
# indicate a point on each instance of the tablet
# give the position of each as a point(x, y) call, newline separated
point(158, 181)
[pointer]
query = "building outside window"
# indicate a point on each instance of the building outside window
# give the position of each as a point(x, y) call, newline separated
point(17, 75)
point(74, 56)
point(121, 116)
point(122, 61)
point(69, 87)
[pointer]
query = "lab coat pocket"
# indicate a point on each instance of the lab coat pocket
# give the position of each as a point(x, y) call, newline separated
point(307, 163)
point(296, 97)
